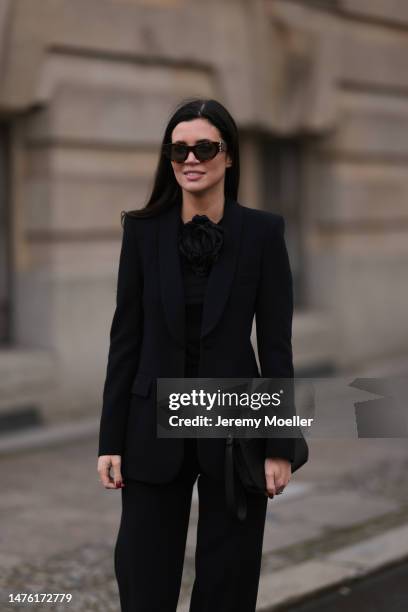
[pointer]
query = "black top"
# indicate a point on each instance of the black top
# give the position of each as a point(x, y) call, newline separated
point(200, 242)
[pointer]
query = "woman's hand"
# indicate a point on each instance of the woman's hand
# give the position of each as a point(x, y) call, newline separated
point(105, 462)
point(277, 474)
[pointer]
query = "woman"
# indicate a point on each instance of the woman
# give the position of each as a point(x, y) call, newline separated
point(195, 267)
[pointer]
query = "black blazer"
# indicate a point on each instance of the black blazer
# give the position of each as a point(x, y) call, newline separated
point(252, 276)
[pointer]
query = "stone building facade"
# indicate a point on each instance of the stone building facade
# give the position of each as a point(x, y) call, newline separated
point(319, 91)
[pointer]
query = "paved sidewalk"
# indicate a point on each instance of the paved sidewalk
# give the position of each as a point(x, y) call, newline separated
point(344, 514)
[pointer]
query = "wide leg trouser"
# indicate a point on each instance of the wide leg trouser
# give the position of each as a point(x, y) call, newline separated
point(150, 546)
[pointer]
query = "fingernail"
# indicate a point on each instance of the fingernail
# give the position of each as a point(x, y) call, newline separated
point(118, 484)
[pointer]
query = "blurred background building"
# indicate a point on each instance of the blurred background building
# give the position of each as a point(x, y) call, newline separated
point(319, 91)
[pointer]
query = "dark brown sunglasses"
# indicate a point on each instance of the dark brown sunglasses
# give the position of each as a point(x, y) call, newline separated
point(203, 151)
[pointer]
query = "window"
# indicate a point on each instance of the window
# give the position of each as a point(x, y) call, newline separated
point(281, 178)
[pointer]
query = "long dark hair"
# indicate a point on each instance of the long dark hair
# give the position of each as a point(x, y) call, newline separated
point(166, 191)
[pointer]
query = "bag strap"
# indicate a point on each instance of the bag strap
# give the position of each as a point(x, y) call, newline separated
point(234, 492)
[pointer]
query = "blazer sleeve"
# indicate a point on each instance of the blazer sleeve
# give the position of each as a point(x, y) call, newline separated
point(274, 314)
point(124, 348)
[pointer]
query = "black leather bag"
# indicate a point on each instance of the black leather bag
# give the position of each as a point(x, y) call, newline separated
point(245, 469)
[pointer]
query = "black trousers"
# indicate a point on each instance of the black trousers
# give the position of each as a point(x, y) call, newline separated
point(150, 546)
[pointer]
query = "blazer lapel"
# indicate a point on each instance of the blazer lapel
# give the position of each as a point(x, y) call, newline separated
point(171, 279)
point(220, 277)
point(222, 272)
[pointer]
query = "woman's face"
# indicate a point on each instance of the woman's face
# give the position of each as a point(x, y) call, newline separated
point(193, 175)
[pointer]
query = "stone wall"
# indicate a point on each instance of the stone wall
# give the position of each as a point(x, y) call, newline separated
point(88, 86)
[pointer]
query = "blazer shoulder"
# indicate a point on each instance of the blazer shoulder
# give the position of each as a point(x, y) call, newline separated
point(127, 215)
point(136, 225)
point(264, 218)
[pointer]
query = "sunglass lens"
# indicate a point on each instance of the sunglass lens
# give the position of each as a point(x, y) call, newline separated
point(179, 152)
point(206, 150)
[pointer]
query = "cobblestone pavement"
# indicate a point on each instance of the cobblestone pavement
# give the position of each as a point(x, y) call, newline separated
point(59, 524)
point(85, 572)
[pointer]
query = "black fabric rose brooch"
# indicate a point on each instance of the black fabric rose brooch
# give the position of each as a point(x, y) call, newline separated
point(200, 241)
